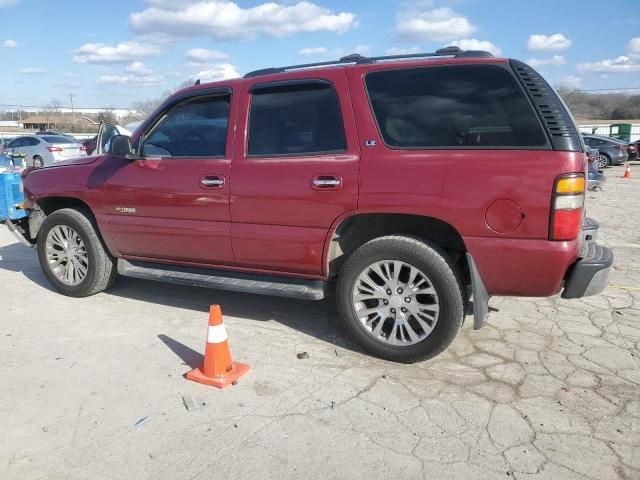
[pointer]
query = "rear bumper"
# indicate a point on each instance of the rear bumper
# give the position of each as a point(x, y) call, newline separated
point(590, 274)
point(619, 160)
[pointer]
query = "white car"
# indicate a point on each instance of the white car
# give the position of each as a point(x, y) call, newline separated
point(41, 150)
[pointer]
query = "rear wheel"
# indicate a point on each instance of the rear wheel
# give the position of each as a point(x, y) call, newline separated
point(401, 298)
point(72, 255)
point(38, 162)
point(603, 161)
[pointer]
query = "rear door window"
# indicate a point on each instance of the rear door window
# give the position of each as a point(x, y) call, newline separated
point(295, 120)
point(471, 106)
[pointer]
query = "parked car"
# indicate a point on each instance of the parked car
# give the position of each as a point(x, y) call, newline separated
point(612, 151)
point(632, 150)
point(349, 178)
point(42, 150)
point(595, 177)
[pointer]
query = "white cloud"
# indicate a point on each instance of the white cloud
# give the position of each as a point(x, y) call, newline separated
point(362, 50)
point(9, 43)
point(335, 53)
point(312, 51)
point(554, 61)
point(33, 71)
point(123, 52)
point(131, 80)
point(634, 46)
point(402, 51)
point(571, 82)
point(225, 20)
point(621, 64)
point(214, 73)
point(138, 68)
point(439, 25)
point(473, 44)
point(550, 43)
point(199, 56)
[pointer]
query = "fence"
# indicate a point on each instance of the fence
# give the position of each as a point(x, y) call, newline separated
point(605, 129)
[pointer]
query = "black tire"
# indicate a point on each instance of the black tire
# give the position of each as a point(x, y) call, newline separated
point(101, 266)
point(444, 276)
point(38, 162)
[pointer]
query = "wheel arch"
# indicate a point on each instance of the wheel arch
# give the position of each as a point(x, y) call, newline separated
point(46, 205)
point(355, 230)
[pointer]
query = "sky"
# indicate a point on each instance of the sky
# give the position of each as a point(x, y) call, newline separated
point(111, 54)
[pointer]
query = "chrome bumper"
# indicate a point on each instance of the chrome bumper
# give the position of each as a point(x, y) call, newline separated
point(16, 233)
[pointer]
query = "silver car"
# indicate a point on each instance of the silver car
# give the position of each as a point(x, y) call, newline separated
point(41, 150)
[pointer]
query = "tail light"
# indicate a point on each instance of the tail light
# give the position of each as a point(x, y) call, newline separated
point(567, 205)
point(83, 148)
point(622, 148)
point(55, 149)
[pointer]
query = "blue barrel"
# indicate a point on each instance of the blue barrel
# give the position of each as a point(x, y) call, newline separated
point(10, 196)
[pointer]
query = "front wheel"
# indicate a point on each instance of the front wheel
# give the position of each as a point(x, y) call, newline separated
point(401, 298)
point(72, 255)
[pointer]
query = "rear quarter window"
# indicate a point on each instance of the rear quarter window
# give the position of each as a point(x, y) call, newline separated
point(455, 106)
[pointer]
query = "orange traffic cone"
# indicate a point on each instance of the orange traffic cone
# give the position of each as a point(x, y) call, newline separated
point(218, 369)
point(627, 172)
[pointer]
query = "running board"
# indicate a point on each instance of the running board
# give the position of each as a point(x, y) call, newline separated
point(223, 280)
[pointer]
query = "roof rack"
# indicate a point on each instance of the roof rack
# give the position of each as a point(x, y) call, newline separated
point(356, 58)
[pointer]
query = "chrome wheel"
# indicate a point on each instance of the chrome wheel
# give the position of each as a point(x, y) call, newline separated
point(396, 302)
point(602, 162)
point(66, 255)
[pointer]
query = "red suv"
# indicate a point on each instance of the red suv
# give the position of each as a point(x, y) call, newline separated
point(406, 185)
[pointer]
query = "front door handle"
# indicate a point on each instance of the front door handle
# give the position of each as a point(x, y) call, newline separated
point(326, 182)
point(212, 181)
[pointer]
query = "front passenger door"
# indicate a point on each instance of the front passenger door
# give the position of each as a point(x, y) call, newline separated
point(172, 203)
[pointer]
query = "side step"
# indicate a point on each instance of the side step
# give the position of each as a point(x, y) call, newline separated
point(223, 280)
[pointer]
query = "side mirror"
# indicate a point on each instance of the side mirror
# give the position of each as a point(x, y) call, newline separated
point(120, 146)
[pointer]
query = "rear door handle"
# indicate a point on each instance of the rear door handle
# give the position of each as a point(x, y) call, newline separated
point(326, 182)
point(212, 181)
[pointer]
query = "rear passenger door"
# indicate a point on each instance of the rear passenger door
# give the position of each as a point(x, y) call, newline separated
point(295, 170)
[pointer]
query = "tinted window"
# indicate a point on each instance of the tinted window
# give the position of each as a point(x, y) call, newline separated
point(453, 106)
point(58, 139)
point(195, 128)
point(30, 142)
point(16, 143)
point(296, 120)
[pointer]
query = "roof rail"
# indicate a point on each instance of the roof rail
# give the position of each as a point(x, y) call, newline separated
point(356, 58)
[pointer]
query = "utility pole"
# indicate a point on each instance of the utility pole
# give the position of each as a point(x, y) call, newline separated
point(73, 112)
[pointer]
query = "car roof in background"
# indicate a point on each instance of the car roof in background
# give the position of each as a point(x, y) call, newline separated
point(58, 139)
point(602, 137)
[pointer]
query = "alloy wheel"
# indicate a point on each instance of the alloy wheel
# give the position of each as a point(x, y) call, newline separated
point(396, 302)
point(67, 255)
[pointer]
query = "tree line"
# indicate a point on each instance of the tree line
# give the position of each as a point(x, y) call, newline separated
point(602, 106)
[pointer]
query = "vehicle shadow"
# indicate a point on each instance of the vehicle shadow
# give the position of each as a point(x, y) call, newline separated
point(318, 319)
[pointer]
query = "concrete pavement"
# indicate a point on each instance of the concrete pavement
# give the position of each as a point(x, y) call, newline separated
point(93, 388)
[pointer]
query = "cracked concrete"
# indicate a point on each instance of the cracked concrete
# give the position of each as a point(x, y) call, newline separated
point(93, 388)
